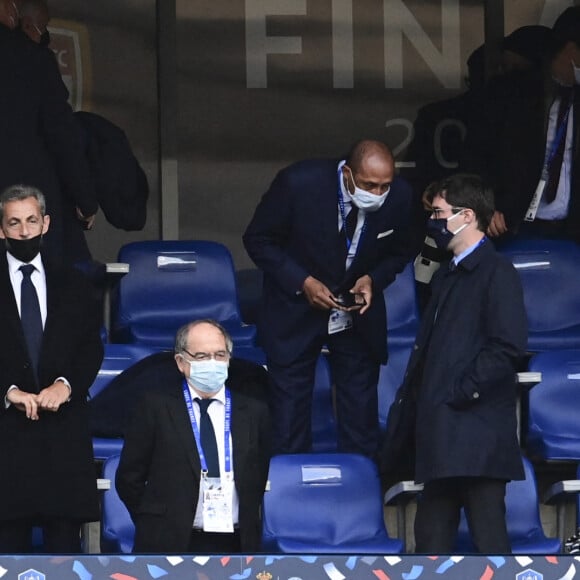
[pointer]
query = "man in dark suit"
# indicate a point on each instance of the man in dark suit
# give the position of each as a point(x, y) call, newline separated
point(40, 144)
point(462, 372)
point(195, 460)
point(51, 352)
point(531, 155)
point(329, 236)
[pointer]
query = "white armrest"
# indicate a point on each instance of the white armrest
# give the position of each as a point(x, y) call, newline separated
point(562, 489)
point(403, 489)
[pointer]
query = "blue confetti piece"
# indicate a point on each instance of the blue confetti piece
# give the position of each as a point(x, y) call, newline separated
point(245, 574)
point(445, 566)
point(271, 559)
point(104, 560)
point(351, 562)
point(415, 572)
point(309, 559)
point(81, 571)
point(129, 559)
point(156, 571)
point(497, 560)
point(369, 560)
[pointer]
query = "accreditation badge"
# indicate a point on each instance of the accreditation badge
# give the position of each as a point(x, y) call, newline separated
point(338, 321)
point(218, 494)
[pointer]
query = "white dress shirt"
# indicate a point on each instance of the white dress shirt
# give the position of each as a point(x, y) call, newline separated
point(217, 414)
point(38, 278)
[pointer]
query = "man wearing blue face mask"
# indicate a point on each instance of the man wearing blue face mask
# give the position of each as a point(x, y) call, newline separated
point(195, 459)
point(461, 374)
point(329, 235)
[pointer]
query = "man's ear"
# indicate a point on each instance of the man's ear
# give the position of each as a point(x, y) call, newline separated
point(45, 224)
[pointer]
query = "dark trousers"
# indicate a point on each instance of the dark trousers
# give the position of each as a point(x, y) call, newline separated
point(214, 543)
point(355, 376)
point(59, 536)
point(438, 514)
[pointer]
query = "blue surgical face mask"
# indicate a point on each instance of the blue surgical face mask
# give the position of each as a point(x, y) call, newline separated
point(438, 230)
point(364, 200)
point(208, 376)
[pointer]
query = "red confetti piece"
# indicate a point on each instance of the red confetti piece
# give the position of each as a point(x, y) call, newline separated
point(380, 575)
point(488, 574)
point(225, 560)
point(119, 576)
point(552, 559)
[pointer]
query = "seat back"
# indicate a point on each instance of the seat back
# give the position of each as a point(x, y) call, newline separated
point(324, 503)
point(116, 359)
point(171, 283)
point(523, 519)
point(546, 267)
point(553, 425)
point(390, 379)
point(117, 528)
point(402, 308)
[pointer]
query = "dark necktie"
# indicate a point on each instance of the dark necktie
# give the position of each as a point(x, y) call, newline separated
point(208, 440)
point(555, 168)
point(350, 225)
point(30, 315)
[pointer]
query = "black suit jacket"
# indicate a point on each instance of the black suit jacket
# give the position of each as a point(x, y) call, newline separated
point(294, 234)
point(47, 465)
point(462, 369)
point(159, 472)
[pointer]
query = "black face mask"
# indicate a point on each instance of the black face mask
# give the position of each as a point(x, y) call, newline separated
point(24, 250)
point(45, 38)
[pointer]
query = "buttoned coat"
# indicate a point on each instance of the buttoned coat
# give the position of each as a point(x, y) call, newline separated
point(463, 371)
point(47, 465)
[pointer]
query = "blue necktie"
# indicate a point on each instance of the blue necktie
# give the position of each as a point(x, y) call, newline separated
point(30, 316)
point(208, 440)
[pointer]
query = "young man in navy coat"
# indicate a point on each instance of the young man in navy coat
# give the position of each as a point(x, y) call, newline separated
point(462, 370)
point(323, 285)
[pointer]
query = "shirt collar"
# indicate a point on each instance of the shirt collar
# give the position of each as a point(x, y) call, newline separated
point(14, 264)
point(470, 250)
point(345, 195)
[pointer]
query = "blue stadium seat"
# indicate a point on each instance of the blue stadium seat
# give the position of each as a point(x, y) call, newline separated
point(117, 358)
point(325, 503)
point(390, 379)
point(548, 270)
point(402, 308)
point(117, 528)
point(172, 282)
point(523, 520)
point(553, 423)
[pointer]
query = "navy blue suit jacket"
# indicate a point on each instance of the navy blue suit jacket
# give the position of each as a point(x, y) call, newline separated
point(294, 234)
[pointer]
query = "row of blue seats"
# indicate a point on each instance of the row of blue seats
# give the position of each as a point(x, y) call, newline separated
point(301, 516)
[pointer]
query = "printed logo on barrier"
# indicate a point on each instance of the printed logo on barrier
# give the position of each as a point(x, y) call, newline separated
point(529, 575)
point(31, 575)
point(70, 43)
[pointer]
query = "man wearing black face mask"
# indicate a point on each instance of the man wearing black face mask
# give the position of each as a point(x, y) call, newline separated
point(461, 374)
point(50, 352)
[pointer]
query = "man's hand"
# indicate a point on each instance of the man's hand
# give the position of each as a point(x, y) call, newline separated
point(51, 398)
point(497, 227)
point(318, 295)
point(88, 221)
point(364, 288)
point(25, 402)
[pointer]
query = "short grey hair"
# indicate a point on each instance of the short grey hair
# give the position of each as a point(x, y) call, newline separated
point(18, 193)
point(183, 333)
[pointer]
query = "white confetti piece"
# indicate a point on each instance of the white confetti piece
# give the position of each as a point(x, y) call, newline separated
point(174, 560)
point(201, 560)
point(392, 560)
point(570, 574)
point(332, 572)
point(524, 561)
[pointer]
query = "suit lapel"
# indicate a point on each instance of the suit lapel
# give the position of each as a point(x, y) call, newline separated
point(177, 410)
point(9, 305)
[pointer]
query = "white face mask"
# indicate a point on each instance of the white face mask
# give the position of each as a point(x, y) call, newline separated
point(458, 230)
point(208, 376)
point(368, 202)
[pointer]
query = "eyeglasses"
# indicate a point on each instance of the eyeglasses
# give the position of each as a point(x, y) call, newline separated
point(220, 355)
point(438, 212)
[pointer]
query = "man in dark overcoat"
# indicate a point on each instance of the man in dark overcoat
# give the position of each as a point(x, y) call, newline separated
point(463, 370)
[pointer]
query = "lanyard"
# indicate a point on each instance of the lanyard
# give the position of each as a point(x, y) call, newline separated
point(195, 428)
point(343, 217)
point(557, 141)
